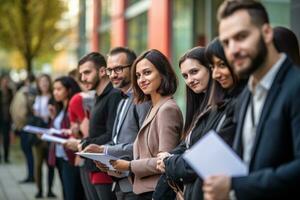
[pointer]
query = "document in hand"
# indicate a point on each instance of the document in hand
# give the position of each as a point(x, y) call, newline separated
point(51, 138)
point(212, 156)
point(39, 130)
point(101, 157)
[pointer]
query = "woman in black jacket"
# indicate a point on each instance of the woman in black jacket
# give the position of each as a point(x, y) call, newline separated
point(218, 116)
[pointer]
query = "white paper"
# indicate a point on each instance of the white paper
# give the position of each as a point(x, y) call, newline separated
point(101, 157)
point(39, 130)
point(51, 138)
point(212, 156)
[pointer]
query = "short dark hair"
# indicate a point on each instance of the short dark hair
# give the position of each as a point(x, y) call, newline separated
point(97, 58)
point(169, 81)
point(130, 54)
point(256, 10)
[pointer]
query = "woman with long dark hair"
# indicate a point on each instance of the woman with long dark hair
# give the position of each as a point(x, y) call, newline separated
point(218, 116)
point(64, 88)
point(195, 71)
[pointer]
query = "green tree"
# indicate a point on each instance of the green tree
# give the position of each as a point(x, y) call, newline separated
point(30, 27)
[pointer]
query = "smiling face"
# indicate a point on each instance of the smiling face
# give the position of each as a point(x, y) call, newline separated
point(196, 76)
point(89, 75)
point(148, 77)
point(115, 63)
point(221, 73)
point(243, 42)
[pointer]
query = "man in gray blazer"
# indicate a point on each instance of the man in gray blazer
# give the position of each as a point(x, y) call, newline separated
point(128, 121)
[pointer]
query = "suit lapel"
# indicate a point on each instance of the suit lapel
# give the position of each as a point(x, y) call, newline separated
point(114, 132)
point(129, 103)
point(272, 94)
point(152, 112)
point(238, 143)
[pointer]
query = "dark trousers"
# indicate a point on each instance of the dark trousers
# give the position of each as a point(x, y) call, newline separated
point(27, 150)
point(145, 196)
point(40, 152)
point(124, 195)
point(95, 192)
point(89, 191)
point(72, 187)
point(4, 132)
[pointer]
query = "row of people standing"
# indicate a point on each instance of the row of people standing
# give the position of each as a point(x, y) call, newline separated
point(212, 88)
point(157, 167)
point(135, 118)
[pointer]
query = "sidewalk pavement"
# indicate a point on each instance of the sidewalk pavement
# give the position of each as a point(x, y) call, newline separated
point(11, 189)
point(11, 174)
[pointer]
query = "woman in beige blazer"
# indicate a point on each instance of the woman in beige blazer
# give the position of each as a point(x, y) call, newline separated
point(153, 79)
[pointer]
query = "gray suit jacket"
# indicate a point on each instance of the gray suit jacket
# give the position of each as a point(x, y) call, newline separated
point(131, 121)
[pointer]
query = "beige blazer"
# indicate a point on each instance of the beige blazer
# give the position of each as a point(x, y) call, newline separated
point(160, 132)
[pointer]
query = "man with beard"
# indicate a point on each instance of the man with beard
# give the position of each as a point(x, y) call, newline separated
point(92, 71)
point(128, 121)
point(268, 130)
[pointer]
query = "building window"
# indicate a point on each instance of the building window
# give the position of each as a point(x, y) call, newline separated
point(137, 33)
point(105, 26)
point(279, 12)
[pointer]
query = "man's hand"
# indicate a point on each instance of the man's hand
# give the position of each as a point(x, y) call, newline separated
point(217, 188)
point(101, 166)
point(72, 144)
point(120, 165)
point(94, 148)
point(117, 174)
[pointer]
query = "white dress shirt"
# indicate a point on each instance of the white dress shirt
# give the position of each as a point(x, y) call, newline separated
point(259, 95)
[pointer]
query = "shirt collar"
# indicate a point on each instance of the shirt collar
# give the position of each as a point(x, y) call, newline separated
point(106, 90)
point(267, 80)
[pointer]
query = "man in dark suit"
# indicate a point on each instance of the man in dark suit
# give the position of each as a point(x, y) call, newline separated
point(268, 131)
point(129, 117)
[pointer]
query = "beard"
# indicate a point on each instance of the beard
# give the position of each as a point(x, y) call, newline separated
point(256, 61)
point(123, 83)
point(95, 82)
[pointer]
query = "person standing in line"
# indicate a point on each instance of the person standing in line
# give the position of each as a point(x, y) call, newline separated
point(154, 79)
point(267, 136)
point(6, 96)
point(92, 72)
point(20, 110)
point(128, 121)
point(64, 88)
point(40, 148)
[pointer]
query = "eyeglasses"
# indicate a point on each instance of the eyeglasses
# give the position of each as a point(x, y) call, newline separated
point(117, 70)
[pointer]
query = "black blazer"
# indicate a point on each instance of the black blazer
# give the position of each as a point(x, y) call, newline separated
point(274, 170)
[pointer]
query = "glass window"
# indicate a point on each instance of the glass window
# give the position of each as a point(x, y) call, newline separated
point(130, 2)
point(105, 11)
point(137, 33)
point(279, 12)
point(104, 40)
point(104, 35)
point(182, 40)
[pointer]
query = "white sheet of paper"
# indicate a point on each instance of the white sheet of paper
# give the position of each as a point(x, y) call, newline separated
point(39, 130)
point(51, 138)
point(101, 157)
point(35, 129)
point(212, 156)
